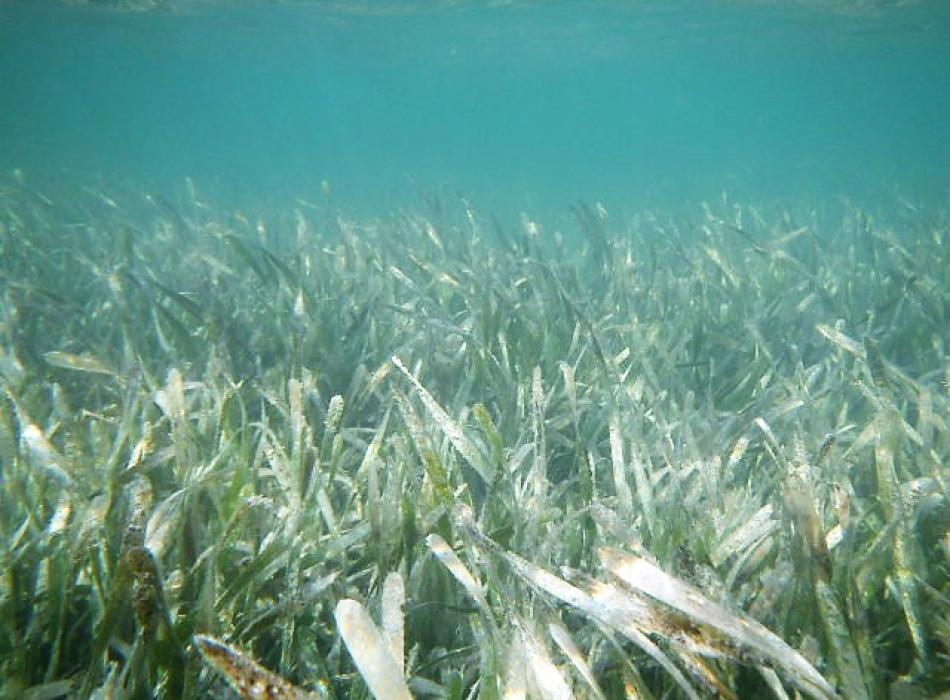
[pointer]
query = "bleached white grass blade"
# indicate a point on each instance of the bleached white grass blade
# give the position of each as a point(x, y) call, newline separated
point(369, 470)
point(78, 363)
point(370, 652)
point(566, 644)
point(625, 616)
point(771, 443)
point(515, 682)
point(443, 552)
point(738, 451)
point(297, 420)
point(624, 496)
point(547, 678)
point(841, 340)
point(61, 516)
point(394, 600)
point(644, 489)
point(162, 523)
point(751, 531)
point(773, 682)
point(171, 398)
point(538, 476)
point(43, 455)
point(282, 468)
point(451, 429)
point(752, 639)
point(616, 609)
point(570, 386)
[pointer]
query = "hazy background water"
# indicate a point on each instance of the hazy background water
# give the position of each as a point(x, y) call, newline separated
point(517, 105)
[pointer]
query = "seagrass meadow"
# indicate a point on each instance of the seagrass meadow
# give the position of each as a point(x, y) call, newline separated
point(677, 454)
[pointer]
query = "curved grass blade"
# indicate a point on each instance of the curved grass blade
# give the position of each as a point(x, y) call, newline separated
point(547, 678)
point(451, 429)
point(370, 652)
point(443, 552)
point(567, 645)
point(752, 640)
point(78, 363)
point(619, 610)
point(248, 678)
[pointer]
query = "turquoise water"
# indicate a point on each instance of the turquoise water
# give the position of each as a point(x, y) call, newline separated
point(269, 384)
point(515, 105)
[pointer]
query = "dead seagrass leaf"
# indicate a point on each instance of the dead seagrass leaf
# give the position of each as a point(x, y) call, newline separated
point(248, 678)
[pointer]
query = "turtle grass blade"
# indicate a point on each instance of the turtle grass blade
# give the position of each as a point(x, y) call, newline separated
point(451, 429)
point(624, 495)
point(248, 678)
point(443, 552)
point(546, 678)
point(570, 649)
point(618, 610)
point(801, 505)
point(189, 306)
point(48, 691)
point(753, 641)
point(242, 250)
point(78, 363)
point(393, 618)
point(906, 557)
point(370, 652)
point(515, 681)
point(843, 651)
point(759, 526)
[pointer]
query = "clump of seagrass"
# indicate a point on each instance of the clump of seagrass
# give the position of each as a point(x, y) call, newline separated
point(695, 452)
